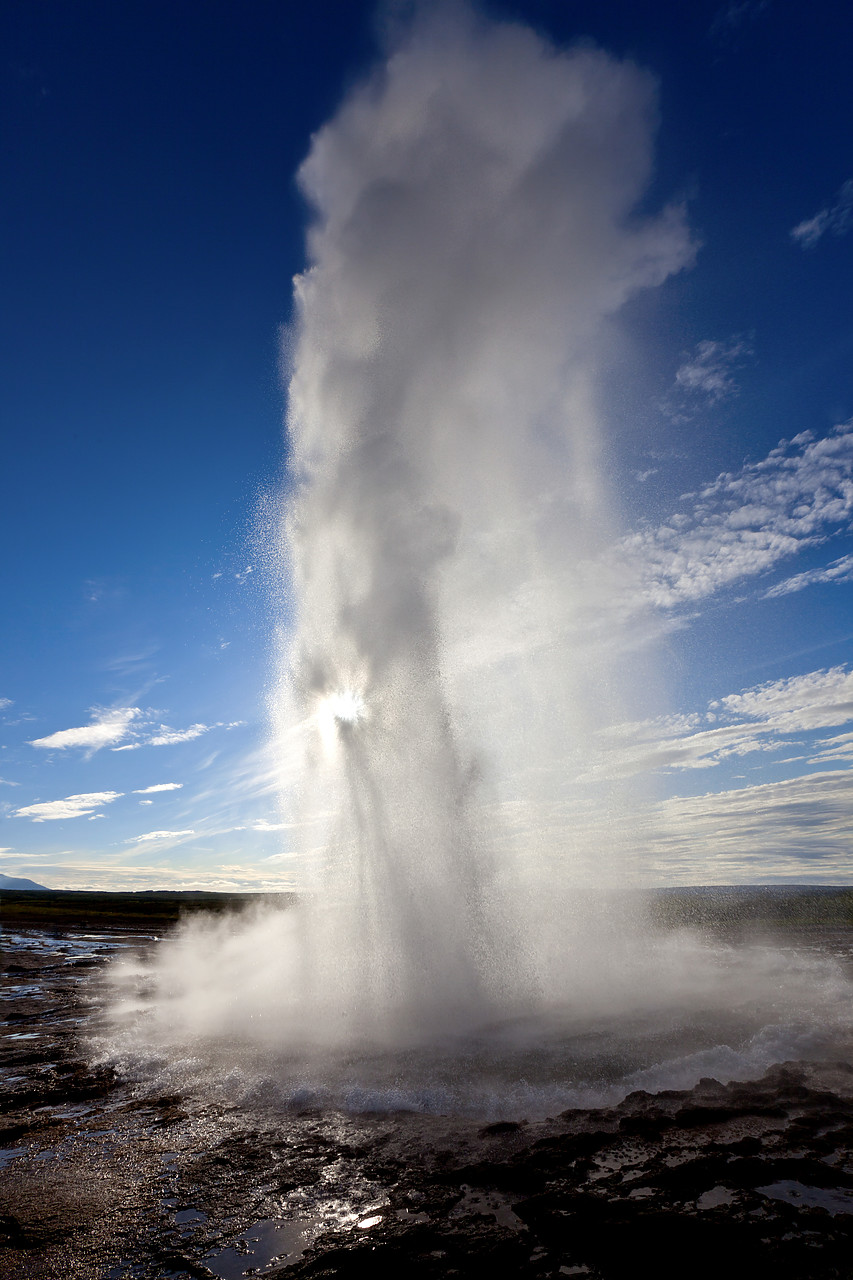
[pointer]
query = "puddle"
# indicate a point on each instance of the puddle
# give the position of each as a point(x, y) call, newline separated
point(797, 1193)
point(74, 1111)
point(489, 1204)
point(190, 1215)
point(273, 1240)
point(411, 1215)
point(7, 1154)
point(715, 1198)
point(282, 1241)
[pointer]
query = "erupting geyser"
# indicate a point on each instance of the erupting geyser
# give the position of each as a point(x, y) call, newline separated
point(473, 229)
point(453, 631)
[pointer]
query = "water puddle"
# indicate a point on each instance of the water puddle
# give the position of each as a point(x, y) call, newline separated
point(715, 1198)
point(282, 1241)
point(834, 1200)
point(487, 1204)
point(184, 1216)
point(273, 1241)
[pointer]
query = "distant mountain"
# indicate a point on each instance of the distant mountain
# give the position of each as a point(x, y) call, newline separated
point(18, 882)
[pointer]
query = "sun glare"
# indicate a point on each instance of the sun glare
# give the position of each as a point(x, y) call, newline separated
point(336, 711)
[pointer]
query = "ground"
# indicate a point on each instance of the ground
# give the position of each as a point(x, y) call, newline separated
point(103, 1180)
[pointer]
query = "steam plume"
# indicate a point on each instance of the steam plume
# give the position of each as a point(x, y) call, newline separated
point(473, 229)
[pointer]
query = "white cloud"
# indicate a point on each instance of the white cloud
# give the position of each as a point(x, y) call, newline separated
point(813, 701)
point(762, 718)
point(6, 782)
point(746, 522)
point(4, 703)
point(833, 750)
point(166, 737)
point(708, 372)
point(835, 219)
point(159, 835)
point(108, 726)
point(146, 801)
point(158, 786)
point(79, 806)
point(795, 830)
point(840, 570)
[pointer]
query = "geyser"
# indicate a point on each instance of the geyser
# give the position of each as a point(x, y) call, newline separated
point(453, 633)
point(473, 229)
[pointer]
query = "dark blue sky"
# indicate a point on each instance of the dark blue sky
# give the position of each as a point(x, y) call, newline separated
point(151, 227)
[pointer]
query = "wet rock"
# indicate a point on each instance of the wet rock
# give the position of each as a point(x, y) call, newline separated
point(101, 1181)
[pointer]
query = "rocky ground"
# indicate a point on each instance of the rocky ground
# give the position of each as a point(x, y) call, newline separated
point(100, 1181)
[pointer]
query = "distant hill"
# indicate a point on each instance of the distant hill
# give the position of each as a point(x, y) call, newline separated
point(20, 882)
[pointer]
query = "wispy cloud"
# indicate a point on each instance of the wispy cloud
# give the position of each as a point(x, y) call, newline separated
point(80, 806)
point(840, 570)
point(4, 703)
point(735, 15)
point(6, 782)
point(158, 786)
point(833, 750)
point(760, 719)
point(707, 373)
point(166, 736)
point(795, 830)
point(107, 727)
point(746, 522)
point(159, 835)
point(836, 219)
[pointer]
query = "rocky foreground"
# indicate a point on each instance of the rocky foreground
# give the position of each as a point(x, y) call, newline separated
point(100, 1180)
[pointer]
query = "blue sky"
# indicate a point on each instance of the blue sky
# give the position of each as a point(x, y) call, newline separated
point(152, 228)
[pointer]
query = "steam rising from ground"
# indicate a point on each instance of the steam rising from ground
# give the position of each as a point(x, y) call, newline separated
point(474, 232)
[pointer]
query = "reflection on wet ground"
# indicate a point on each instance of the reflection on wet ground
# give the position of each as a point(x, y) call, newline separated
point(102, 1178)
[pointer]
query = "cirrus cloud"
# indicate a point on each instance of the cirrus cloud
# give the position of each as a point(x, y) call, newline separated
point(765, 718)
point(836, 219)
point(79, 806)
point(159, 835)
point(107, 727)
